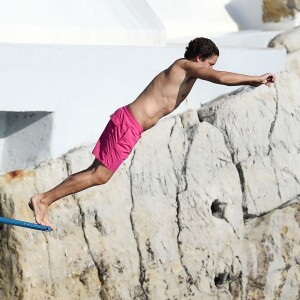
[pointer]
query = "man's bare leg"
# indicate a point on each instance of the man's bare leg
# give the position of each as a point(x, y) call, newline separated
point(96, 174)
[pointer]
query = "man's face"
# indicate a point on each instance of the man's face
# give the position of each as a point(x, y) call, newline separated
point(208, 62)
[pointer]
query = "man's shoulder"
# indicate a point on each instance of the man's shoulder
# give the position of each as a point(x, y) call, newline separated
point(180, 63)
point(183, 63)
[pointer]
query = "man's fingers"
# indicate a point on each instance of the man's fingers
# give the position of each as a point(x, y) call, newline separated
point(271, 78)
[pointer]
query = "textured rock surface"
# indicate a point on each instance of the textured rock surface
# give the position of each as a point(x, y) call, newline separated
point(276, 10)
point(206, 207)
point(290, 40)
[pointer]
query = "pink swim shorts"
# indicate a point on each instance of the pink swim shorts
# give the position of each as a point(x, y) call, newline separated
point(118, 139)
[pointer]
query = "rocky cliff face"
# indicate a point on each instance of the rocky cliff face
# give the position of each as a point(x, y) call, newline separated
point(290, 40)
point(206, 207)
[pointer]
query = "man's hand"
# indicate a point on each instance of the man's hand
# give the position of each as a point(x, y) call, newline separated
point(266, 79)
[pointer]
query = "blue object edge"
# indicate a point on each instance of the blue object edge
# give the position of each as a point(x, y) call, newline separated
point(29, 225)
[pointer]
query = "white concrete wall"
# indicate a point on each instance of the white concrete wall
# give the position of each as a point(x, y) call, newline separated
point(128, 22)
point(82, 85)
point(246, 13)
point(247, 39)
point(25, 138)
point(192, 18)
point(89, 22)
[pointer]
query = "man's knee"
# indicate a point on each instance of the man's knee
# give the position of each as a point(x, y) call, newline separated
point(102, 179)
point(101, 175)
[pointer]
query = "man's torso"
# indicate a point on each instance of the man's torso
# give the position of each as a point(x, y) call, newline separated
point(164, 94)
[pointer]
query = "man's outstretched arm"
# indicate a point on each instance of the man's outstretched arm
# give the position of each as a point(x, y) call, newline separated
point(229, 78)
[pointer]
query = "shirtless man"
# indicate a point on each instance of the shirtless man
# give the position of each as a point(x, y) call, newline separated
point(164, 94)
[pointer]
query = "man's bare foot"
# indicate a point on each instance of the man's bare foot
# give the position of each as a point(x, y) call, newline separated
point(40, 209)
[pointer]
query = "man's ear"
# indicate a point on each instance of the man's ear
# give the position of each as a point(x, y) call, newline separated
point(199, 58)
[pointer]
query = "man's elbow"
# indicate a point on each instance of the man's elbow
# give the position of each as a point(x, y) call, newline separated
point(223, 79)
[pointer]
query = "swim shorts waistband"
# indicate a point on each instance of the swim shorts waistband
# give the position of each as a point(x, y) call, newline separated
point(129, 119)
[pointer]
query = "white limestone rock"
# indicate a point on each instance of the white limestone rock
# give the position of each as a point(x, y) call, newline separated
point(273, 252)
point(293, 62)
point(206, 207)
point(290, 40)
point(261, 131)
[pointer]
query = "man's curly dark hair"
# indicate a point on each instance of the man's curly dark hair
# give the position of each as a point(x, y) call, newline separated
point(201, 46)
